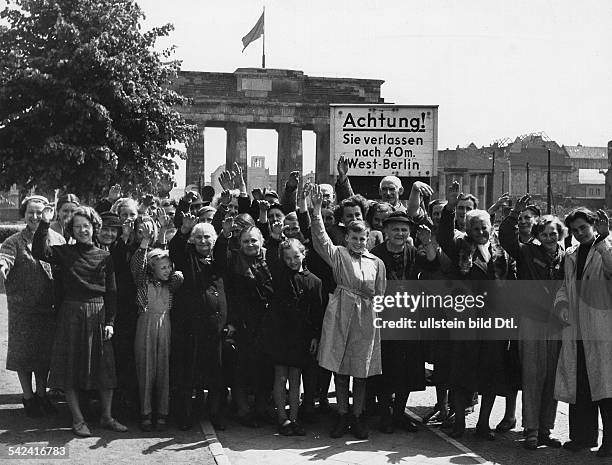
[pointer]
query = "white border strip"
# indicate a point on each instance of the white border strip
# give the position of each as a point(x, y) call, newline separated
point(468, 452)
point(215, 446)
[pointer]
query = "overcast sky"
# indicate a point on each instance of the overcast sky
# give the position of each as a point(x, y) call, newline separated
point(496, 68)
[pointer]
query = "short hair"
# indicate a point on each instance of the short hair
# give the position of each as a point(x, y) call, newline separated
point(357, 226)
point(534, 209)
point(276, 206)
point(203, 227)
point(476, 215)
point(394, 179)
point(124, 202)
point(290, 244)
point(67, 198)
point(249, 229)
point(468, 197)
point(244, 219)
point(435, 203)
point(155, 255)
point(377, 207)
point(32, 199)
point(544, 221)
point(90, 215)
point(580, 213)
point(206, 209)
point(356, 200)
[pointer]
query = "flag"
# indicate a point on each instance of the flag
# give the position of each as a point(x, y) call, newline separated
point(254, 33)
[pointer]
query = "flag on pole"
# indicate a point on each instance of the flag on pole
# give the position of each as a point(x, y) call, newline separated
point(254, 33)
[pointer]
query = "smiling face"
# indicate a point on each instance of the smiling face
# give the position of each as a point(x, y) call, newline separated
point(328, 217)
point(350, 214)
point(549, 237)
point(162, 268)
point(463, 207)
point(107, 235)
point(64, 214)
point(275, 215)
point(378, 218)
point(82, 230)
point(293, 258)
point(390, 193)
point(397, 233)
point(203, 238)
point(582, 231)
point(292, 228)
point(479, 231)
point(128, 213)
point(250, 243)
point(526, 220)
point(356, 241)
point(33, 214)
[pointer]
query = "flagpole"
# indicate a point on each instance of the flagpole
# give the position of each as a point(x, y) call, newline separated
point(263, 42)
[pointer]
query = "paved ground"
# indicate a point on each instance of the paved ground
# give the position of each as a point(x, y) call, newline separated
point(245, 446)
point(104, 446)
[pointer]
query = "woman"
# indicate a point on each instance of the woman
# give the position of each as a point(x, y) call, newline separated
point(31, 316)
point(82, 355)
point(475, 365)
point(198, 320)
point(538, 345)
point(66, 205)
point(350, 343)
point(584, 371)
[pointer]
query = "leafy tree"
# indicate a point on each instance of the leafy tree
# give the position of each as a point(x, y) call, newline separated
point(85, 100)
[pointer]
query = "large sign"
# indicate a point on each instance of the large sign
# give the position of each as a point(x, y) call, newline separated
point(383, 140)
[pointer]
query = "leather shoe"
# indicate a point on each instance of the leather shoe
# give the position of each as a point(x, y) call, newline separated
point(81, 429)
point(505, 425)
point(547, 440)
point(575, 446)
point(484, 433)
point(359, 429)
point(341, 427)
point(113, 425)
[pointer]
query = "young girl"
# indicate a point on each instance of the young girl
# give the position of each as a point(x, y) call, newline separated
point(295, 316)
point(350, 343)
point(156, 282)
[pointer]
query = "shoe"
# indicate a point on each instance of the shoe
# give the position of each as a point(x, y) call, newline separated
point(248, 420)
point(285, 428)
point(113, 425)
point(146, 424)
point(547, 440)
point(161, 423)
point(81, 429)
point(531, 441)
point(505, 425)
point(46, 404)
point(469, 410)
point(575, 446)
point(341, 426)
point(437, 415)
point(218, 422)
point(604, 451)
point(484, 433)
point(449, 422)
point(32, 407)
point(404, 422)
point(298, 430)
point(359, 429)
point(386, 423)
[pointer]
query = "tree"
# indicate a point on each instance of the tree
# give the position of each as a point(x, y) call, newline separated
point(85, 100)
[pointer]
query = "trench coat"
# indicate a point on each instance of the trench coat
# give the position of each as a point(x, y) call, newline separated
point(350, 344)
point(590, 308)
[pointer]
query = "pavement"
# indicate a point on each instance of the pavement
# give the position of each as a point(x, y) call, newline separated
point(239, 445)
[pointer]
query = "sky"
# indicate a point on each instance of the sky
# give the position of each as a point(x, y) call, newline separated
point(496, 68)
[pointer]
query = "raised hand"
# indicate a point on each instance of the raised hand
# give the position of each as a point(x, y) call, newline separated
point(342, 168)
point(226, 197)
point(602, 225)
point(114, 193)
point(276, 229)
point(126, 229)
point(190, 196)
point(422, 188)
point(306, 190)
point(257, 194)
point(294, 180)
point(227, 225)
point(238, 178)
point(316, 196)
point(189, 221)
point(225, 179)
point(264, 205)
point(47, 214)
point(452, 195)
point(423, 234)
point(522, 203)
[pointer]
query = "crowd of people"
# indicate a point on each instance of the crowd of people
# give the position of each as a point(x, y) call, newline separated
point(259, 294)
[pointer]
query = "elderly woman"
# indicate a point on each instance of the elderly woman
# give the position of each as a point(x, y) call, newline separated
point(198, 319)
point(541, 261)
point(475, 365)
point(31, 317)
point(66, 205)
point(82, 356)
point(584, 371)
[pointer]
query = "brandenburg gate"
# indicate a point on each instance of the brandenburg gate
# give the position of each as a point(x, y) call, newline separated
point(285, 100)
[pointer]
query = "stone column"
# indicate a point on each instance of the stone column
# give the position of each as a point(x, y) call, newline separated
point(441, 193)
point(289, 153)
point(485, 201)
point(195, 160)
point(236, 146)
point(322, 175)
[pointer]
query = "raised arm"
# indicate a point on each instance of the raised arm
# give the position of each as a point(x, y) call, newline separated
point(321, 241)
point(343, 187)
point(417, 193)
point(446, 229)
point(41, 249)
